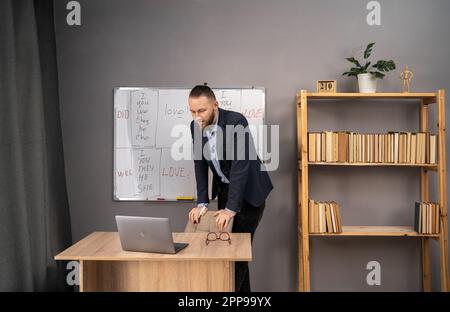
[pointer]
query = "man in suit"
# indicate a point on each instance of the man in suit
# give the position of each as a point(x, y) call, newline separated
point(239, 180)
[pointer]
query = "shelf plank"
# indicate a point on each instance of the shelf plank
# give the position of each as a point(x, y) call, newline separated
point(397, 231)
point(428, 166)
point(339, 95)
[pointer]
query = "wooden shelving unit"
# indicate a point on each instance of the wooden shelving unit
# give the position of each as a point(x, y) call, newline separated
point(423, 99)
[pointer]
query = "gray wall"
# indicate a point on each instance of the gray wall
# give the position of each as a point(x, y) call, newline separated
point(284, 46)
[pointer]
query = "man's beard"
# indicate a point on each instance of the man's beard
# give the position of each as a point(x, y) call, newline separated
point(207, 123)
point(211, 119)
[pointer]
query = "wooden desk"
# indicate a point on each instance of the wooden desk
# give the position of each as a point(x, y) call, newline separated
point(104, 266)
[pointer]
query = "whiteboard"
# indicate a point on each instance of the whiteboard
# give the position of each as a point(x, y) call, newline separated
point(144, 118)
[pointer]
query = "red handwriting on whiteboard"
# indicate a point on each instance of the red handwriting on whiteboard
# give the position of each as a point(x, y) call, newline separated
point(125, 114)
point(174, 172)
point(253, 113)
point(124, 173)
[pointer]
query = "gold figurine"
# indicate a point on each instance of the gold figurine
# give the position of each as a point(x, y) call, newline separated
point(406, 75)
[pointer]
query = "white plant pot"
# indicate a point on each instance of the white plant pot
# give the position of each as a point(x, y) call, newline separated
point(367, 83)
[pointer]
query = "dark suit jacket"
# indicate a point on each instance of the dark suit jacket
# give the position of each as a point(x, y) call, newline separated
point(247, 181)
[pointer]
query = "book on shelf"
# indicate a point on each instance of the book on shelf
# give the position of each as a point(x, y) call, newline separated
point(323, 140)
point(433, 144)
point(324, 217)
point(391, 147)
point(426, 217)
point(312, 146)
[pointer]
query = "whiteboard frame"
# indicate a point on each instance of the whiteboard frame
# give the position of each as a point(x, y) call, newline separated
point(115, 89)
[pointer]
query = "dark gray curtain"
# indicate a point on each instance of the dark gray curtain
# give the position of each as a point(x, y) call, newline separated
point(34, 211)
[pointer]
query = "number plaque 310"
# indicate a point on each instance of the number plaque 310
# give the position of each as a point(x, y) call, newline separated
point(324, 86)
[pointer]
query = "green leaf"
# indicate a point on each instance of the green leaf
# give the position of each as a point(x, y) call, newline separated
point(353, 60)
point(377, 74)
point(356, 71)
point(349, 74)
point(366, 66)
point(378, 64)
point(384, 66)
point(368, 50)
point(390, 65)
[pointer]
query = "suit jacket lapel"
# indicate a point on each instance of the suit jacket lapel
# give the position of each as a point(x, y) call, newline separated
point(222, 125)
point(221, 121)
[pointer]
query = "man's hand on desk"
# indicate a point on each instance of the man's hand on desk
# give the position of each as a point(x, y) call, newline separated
point(196, 213)
point(223, 218)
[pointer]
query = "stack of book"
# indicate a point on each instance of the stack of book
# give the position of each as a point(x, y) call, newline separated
point(324, 217)
point(391, 147)
point(426, 218)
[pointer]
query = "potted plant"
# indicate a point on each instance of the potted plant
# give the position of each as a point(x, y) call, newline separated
point(368, 73)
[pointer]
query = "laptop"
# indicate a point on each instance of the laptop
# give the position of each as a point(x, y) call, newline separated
point(147, 234)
